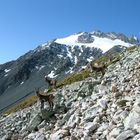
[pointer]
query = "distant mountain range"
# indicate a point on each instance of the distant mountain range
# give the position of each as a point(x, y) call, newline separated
point(57, 59)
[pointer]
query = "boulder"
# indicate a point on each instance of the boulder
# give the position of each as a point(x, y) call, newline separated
point(47, 114)
point(126, 134)
point(35, 121)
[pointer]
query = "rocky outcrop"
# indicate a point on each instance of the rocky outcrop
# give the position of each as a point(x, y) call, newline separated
point(105, 108)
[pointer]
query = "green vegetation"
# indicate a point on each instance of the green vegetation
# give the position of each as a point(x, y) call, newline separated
point(108, 59)
point(79, 76)
point(29, 101)
point(132, 49)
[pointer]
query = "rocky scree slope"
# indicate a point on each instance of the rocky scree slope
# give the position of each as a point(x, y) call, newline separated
point(105, 108)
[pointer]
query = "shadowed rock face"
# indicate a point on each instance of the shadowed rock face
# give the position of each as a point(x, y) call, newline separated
point(85, 38)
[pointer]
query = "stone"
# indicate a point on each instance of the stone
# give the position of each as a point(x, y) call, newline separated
point(131, 120)
point(87, 138)
point(91, 113)
point(137, 128)
point(124, 114)
point(122, 103)
point(114, 133)
point(47, 114)
point(94, 97)
point(90, 126)
point(73, 138)
point(75, 86)
point(7, 136)
point(35, 121)
point(56, 136)
point(114, 88)
point(137, 137)
point(42, 124)
point(65, 118)
point(126, 134)
point(117, 94)
point(36, 136)
point(40, 136)
point(59, 99)
point(103, 127)
point(65, 132)
point(73, 120)
point(70, 101)
point(103, 103)
point(16, 136)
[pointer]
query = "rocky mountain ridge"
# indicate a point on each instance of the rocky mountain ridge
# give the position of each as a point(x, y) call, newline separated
point(105, 108)
point(57, 59)
point(98, 39)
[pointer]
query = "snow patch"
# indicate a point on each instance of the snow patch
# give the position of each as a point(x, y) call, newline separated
point(52, 75)
point(70, 40)
point(5, 75)
point(45, 45)
point(75, 60)
point(90, 59)
point(7, 70)
point(81, 49)
point(70, 71)
point(60, 55)
point(83, 68)
point(21, 83)
point(135, 38)
point(80, 54)
point(39, 68)
point(69, 53)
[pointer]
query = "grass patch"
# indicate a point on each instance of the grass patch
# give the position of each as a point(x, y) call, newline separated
point(74, 78)
point(107, 59)
point(132, 48)
point(29, 101)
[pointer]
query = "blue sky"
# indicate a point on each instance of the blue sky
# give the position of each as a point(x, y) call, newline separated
point(24, 24)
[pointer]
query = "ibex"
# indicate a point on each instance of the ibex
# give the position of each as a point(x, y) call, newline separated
point(97, 68)
point(52, 82)
point(45, 98)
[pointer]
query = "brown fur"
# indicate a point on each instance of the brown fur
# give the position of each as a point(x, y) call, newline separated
point(52, 82)
point(93, 68)
point(45, 98)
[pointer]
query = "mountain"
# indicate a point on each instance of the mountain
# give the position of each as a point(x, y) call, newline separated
point(57, 59)
point(101, 108)
point(98, 39)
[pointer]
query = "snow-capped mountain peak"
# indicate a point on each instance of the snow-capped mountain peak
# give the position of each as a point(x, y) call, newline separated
point(70, 40)
point(95, 39)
